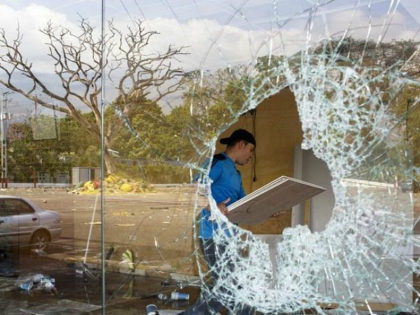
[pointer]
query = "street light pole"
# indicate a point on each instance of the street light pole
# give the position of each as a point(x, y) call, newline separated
point(4, 117)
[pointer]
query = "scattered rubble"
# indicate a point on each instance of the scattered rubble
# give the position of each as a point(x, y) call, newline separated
point(37, 282)
point(113, 184)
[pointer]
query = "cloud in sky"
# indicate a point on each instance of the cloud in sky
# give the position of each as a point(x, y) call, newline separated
point(215, 45)
point(385, 27)
point(210, 43)
point(30, 19)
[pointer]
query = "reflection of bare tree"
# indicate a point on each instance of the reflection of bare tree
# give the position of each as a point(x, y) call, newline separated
point(78, 59)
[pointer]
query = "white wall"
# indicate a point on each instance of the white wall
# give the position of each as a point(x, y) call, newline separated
point(313, 170)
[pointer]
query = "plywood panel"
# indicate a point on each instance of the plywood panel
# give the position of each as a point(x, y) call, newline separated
point(279, 195)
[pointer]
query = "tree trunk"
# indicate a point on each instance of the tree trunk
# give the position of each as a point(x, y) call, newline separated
point(109, 163)
point(416, 163)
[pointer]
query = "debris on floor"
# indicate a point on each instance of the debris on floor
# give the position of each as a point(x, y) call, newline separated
point(128, 260)
point(36, 282)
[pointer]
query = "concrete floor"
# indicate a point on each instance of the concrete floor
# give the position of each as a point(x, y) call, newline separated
point(77, 294)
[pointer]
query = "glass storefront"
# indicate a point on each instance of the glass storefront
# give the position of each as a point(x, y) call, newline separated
point(120, 164)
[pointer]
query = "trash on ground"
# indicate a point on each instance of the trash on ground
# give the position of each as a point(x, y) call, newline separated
point(151, 309)
point(175, 296)
point(86, 270)
point(162, 296)
point(128, 259)
point(178, 296)
point(39, 252)
point(36, 282)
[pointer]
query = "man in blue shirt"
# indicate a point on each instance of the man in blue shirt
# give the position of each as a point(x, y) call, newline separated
point(226, 188)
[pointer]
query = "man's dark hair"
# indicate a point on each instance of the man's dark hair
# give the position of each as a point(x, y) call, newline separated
point(239, 135)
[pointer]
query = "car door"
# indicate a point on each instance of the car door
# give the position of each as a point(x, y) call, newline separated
point(9, 226)
point(27, 219)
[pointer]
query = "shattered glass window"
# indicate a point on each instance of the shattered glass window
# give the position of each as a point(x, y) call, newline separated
point(112, 116)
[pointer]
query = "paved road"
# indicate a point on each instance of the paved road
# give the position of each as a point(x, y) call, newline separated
point(155, 225)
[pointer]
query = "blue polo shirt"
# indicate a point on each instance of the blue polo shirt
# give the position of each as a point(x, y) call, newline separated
point(226, 183)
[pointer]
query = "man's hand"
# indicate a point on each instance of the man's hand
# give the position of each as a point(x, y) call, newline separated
point(222, 206)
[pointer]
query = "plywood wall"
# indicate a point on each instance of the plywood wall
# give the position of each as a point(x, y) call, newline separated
point(277, 130)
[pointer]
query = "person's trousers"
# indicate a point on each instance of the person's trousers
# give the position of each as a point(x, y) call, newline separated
point(206, 304)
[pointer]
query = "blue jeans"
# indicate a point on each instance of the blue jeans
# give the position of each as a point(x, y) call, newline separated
point(206, 304)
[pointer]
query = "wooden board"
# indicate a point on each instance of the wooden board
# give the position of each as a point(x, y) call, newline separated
point(278, 195)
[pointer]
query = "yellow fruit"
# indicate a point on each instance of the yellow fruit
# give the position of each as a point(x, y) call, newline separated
point(126, 187)
point(111, 179)
point(90, 187)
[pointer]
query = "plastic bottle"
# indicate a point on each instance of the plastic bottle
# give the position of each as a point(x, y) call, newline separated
point(162, 296)
point(151, 309)
point(179, 296)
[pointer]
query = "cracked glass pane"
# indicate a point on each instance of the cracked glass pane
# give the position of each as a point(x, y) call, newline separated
point(329, 90)
point(143, 123)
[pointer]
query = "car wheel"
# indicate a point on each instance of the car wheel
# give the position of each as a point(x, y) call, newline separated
point(40, 240)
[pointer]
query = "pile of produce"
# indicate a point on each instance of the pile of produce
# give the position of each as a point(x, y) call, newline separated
point(113, 184)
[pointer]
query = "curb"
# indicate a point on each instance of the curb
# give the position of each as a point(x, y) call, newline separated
point(163, 271)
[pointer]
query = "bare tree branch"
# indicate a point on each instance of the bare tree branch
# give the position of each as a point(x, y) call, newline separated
point(76, 57)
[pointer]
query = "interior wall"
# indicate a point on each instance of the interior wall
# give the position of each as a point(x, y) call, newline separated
point(313, 170)
point(316, 172)
point(276, 126)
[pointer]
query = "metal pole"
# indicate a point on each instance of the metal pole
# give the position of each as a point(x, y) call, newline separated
point(103, 266)
point(5, 143)
point(6, 151)
point(3, 139)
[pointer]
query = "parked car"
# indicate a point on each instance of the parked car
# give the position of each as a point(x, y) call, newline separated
point(23, 223)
